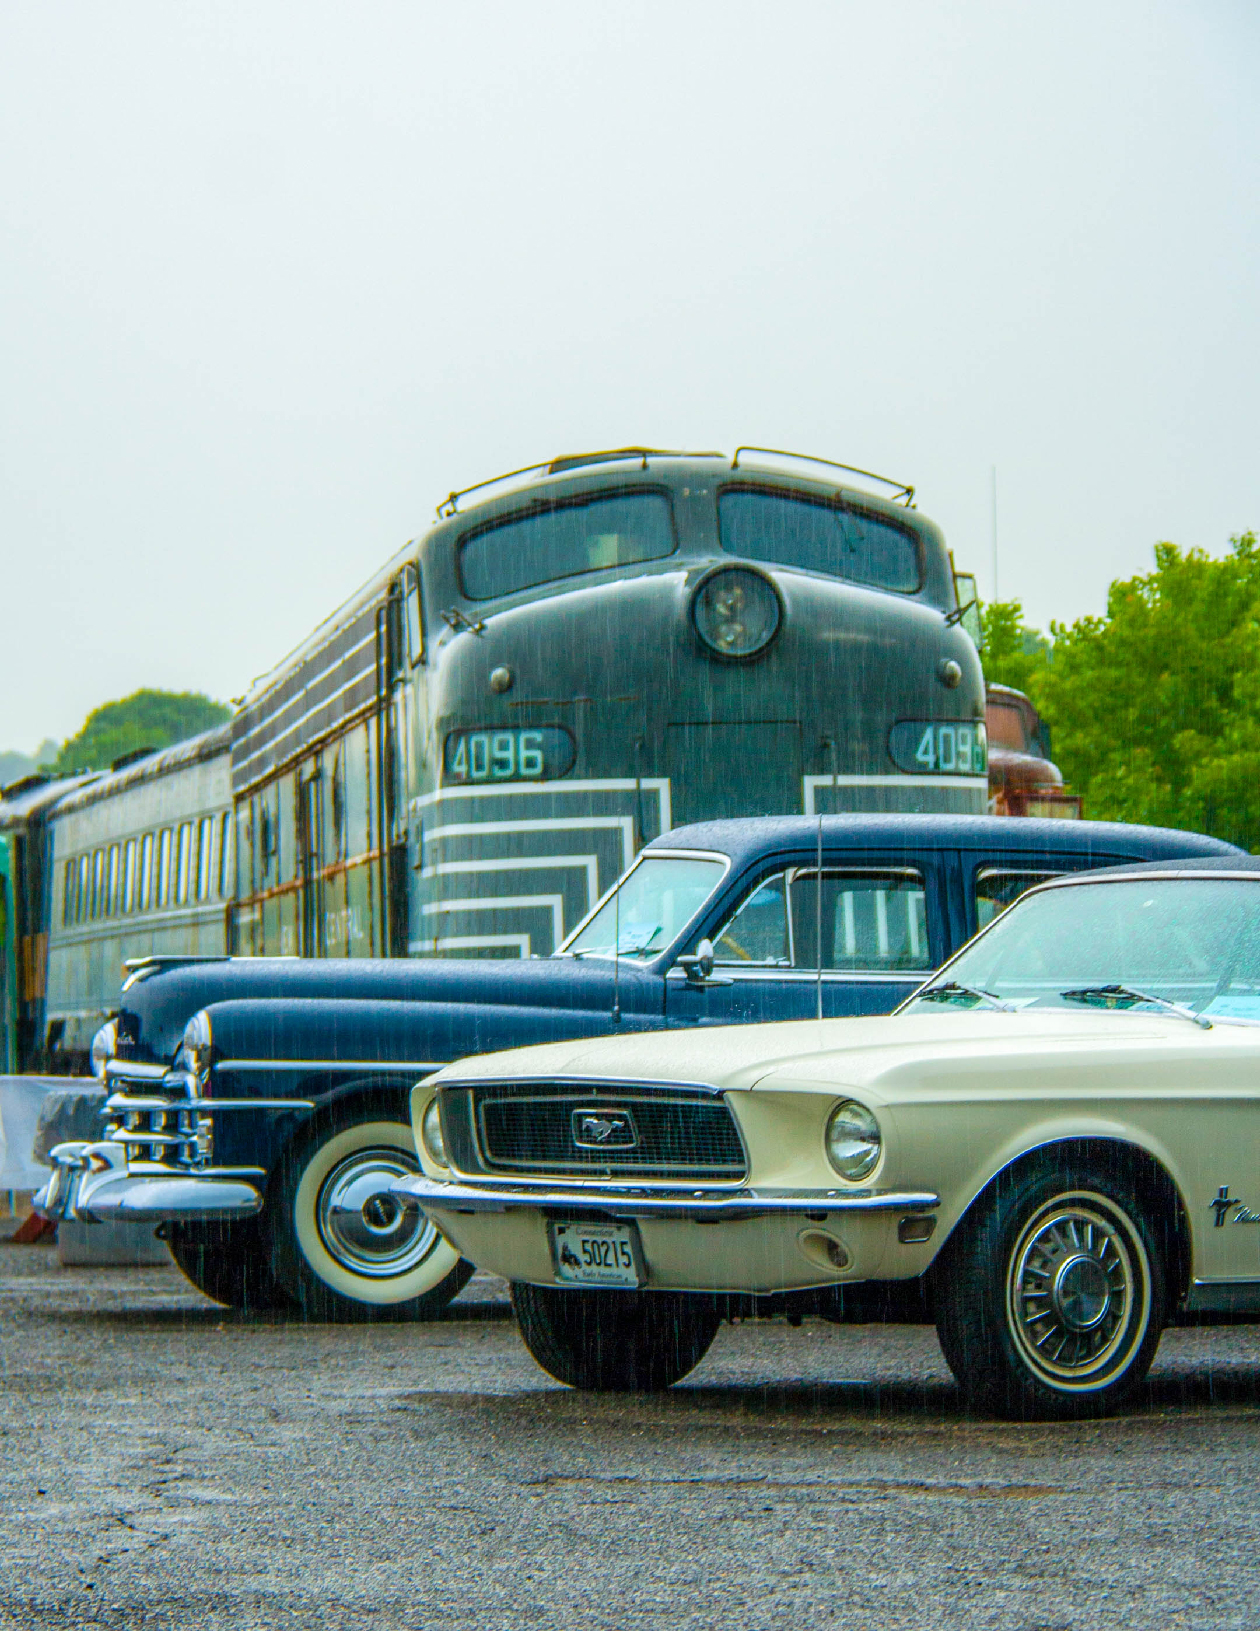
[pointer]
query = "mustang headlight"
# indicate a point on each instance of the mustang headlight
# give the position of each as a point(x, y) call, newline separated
point(196, 1045)
point(736, 612)
point(104, 1048)
point(431, 1133)
point(853, 1141)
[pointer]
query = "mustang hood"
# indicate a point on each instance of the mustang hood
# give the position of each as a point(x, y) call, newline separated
point(890, 1052)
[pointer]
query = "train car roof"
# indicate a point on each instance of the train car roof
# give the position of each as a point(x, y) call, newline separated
point(211, 744)
point(23, 799)
point(749, 837)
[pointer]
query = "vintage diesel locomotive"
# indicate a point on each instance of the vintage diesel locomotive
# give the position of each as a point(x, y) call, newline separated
point(462, 758)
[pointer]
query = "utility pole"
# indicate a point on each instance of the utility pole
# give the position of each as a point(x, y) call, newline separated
point(993, 492)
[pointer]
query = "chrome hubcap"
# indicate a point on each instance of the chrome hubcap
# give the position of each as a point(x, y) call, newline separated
point(1075, 1293)
point(362, 1226)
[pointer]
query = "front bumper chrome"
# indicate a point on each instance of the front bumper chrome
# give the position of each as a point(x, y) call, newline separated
point(94, 1183)
point(431, 1195)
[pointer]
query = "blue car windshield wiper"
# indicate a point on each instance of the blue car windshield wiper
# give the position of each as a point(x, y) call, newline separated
point(1112, 996)
point(949, 989)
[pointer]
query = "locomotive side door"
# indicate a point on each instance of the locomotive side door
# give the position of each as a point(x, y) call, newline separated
point(859, 941)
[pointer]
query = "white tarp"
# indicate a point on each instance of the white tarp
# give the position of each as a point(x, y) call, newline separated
point(21, 1099)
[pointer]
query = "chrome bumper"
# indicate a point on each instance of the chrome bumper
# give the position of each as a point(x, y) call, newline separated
point(427, 1195)
point(93, 1183)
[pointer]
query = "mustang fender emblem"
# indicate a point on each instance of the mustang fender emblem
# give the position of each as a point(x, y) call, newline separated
point(604, 1130)
point(1222, 1206)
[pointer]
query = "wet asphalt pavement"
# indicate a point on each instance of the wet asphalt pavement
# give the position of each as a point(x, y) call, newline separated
point(169, 1465)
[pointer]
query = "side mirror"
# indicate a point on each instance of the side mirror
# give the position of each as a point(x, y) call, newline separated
point(699, 965)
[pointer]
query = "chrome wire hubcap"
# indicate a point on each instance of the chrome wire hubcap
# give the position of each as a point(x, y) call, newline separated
point(362, 1226)
point(1075, 1293)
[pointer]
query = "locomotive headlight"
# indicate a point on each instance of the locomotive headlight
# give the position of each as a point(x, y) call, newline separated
point(853, 1141)
point(104, 1048)
point(431, 1132)
point(196, 1045)
point(736, 612)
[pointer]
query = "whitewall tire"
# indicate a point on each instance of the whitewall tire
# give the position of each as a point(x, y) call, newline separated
point(343, 1248)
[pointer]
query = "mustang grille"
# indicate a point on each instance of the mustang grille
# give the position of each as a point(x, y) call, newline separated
point(664, 1134)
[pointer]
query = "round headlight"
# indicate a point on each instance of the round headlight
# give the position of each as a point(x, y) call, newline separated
point(196, 1044)
point(104, 1047)
point(431, 1132)
point(853, 1141)
point(736, 612)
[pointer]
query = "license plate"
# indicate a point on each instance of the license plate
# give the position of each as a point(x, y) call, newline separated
point(596, 1254)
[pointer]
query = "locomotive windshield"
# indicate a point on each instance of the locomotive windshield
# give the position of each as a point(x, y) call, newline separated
point(784, 529)
point(563, 540)
point(653, 905)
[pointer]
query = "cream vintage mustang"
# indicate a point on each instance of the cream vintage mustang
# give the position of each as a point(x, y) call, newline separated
point(1054, 1146)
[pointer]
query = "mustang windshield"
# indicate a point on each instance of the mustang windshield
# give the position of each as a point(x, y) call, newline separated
point(652, 906)
point(1190, 942)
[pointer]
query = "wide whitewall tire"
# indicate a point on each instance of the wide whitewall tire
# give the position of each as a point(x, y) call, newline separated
point(342, 1248)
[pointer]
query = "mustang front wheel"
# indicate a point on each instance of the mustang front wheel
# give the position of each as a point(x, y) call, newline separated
point(614, 1341)
point(342, 1246)
point(1052, 1303)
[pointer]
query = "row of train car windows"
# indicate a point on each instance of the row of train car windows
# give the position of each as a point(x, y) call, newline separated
point(177, 866)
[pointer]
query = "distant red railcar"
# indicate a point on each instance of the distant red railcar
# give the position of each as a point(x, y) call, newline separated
point(1023, 780)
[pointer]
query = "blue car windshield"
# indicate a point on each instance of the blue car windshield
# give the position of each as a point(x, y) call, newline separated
point(1132, 944)
point(651, 907)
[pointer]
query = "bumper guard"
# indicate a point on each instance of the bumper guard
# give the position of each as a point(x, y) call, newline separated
point(93, 1183)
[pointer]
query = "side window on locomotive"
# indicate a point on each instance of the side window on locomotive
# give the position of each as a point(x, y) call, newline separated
point(129, 876)
point(412, 619)
point(785, 529)
point(564, 540)
point(67, 904)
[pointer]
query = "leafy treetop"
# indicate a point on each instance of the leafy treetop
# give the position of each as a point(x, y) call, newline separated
point(1155, 705)
point(148, 719)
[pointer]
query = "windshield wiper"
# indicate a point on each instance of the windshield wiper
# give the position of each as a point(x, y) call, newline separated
point(952, 988)
point(1104, 995)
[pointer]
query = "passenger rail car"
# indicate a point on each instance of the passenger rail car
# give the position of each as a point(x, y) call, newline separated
point(140, 864)
point(26, 807)
point(575, 659)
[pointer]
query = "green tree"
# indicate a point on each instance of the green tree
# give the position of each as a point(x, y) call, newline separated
point(147, 719)
point(1014, 654)
point(1156, 704)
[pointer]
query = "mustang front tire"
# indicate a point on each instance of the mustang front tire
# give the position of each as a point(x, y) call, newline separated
point(614, 1341)
point(1052, 1302)
point(341, 1246)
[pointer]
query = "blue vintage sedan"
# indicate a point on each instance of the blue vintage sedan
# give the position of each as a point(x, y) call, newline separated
point(259, 1106)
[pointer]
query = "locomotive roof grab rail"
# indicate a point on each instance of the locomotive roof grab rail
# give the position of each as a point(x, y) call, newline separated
point(568, 461)
point(901, 490)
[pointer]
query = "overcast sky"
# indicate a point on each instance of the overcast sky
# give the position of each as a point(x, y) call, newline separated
point(274, 278)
